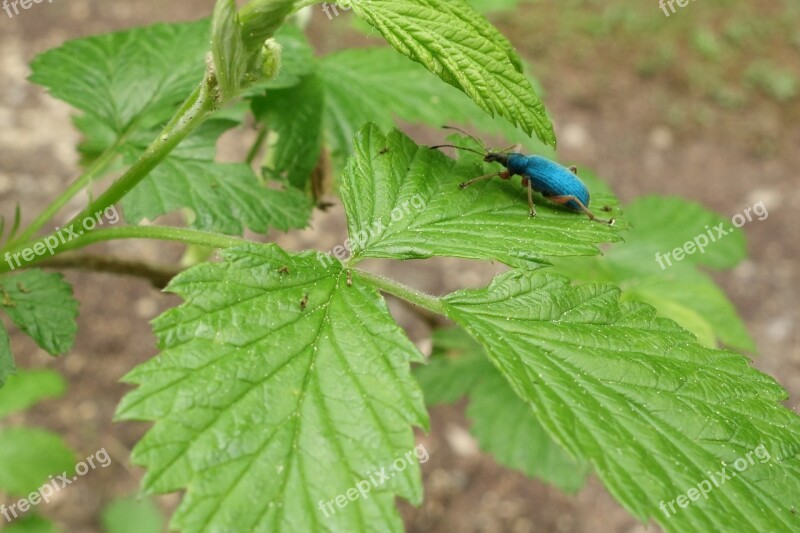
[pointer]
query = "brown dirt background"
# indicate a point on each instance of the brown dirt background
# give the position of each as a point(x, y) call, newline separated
point(609, 118)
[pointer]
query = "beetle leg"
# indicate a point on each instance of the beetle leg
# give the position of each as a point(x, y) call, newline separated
point(566, 199)
point(574, 170)
point(532, 212)
point(479, 178)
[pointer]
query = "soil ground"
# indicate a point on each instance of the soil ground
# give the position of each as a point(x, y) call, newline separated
point(650, 103)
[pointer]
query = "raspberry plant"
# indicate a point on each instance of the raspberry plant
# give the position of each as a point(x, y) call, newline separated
point(283, 380)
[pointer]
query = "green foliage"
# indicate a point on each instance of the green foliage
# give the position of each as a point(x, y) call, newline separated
point(463, 49)
point(283, 382)
point(489, 6)
point(41, 305)
point(29, 456)
point(133, 515)
point(31, 523)
point(378, 85)
point(776, 81)
point(236, 418)
point(241, 55)
point(230, 55)
point(679, 290)
point(225, 197)
point(403, 202)
point(295, 116)
point(636, 396)
point(117, 80)
point(28, 388)
point(6, 357)
point(503, 424)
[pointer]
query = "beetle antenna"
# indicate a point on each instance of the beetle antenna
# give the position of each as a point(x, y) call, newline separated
point(458, 147)
point(467, 134)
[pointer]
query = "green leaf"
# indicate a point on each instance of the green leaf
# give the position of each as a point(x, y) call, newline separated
point(129, 84)
point(41, 305)
point(260, 19)
point(506, 427)
point(28, 388)
point(693, 300)
point(297, 61)
point(243, 48)
point(231, 58)
point(503, 424)
point(663, 224)
point(491, 6)
point(635, 395)
point(225, 197)
point(133, 515)
point(455, 367)
point(29, 456)
point(403, 202)
point(295, 116)
point(6, 357)
point(279, 387)
point(128, 80)
point(679, 291)
point(379, 85)
point(31, 523)
point(457, 44)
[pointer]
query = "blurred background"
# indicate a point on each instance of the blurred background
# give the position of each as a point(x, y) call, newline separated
point(703, 103)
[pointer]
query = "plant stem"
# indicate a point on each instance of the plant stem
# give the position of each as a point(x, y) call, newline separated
point(186, 236)
point(191, 114)
point(302, 4)
point(411, 295)
point(257, 144)
point(158, 275)
point(94, 170)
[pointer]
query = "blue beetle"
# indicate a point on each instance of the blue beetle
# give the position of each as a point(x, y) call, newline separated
point(558, 184)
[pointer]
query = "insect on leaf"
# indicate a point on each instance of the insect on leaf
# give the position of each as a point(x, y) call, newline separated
point(403, 202)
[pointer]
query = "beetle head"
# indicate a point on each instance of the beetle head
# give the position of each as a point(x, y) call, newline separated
point(496, 157)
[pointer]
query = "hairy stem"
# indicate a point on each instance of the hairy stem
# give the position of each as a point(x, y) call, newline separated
point(192, 113)
point(160, 233)
point(94, 170)
point(408, 294)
